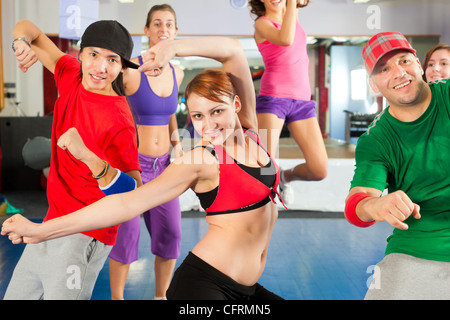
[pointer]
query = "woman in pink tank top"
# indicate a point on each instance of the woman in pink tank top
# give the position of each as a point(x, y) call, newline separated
point(285, 93)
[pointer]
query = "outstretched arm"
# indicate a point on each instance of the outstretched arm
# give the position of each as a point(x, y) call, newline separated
point(182, 174)
point(227, 51)
point(394, 208)
point(42, 48)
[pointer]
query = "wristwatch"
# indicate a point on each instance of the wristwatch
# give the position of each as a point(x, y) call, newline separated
point(23, 39)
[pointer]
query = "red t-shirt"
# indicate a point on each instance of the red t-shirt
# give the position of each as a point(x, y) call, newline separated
point(106, 125)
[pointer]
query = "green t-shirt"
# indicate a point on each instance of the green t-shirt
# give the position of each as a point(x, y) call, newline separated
point(413, 157)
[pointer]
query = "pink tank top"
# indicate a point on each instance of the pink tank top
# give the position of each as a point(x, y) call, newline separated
point(286, 73)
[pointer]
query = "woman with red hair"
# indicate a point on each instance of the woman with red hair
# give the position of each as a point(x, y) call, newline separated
point(232, 173)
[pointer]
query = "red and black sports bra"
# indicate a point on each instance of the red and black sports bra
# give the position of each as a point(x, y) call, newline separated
point(241, 188)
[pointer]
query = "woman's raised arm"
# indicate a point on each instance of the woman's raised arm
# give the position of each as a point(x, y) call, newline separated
point(227, 51)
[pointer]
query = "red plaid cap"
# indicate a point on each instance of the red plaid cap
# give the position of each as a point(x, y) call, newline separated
point(383, 43)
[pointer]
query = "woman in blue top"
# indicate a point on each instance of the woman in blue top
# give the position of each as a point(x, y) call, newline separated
point(154, 103)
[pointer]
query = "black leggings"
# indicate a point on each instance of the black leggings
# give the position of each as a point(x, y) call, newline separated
point(197, 280)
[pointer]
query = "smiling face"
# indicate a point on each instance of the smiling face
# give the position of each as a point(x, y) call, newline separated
point(438, 67)
point(213, 105)
point(398, 77)
point(100, 67)
point(214, 121)
point(162, 26)
point(274, 5)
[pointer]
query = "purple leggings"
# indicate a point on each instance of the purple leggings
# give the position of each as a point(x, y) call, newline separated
point(163, 222)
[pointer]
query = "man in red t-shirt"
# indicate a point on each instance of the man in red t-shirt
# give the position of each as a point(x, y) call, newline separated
point(93, 102)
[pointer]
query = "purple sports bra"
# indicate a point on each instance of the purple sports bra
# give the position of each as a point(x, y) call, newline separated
point(150, 109)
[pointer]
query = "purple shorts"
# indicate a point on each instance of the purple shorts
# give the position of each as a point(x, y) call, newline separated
point(288, 109)
point(163, 222)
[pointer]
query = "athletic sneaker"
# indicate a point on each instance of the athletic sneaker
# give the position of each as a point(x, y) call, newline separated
point(286, 191)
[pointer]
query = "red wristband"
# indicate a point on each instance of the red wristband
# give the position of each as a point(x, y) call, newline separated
point(350, 210)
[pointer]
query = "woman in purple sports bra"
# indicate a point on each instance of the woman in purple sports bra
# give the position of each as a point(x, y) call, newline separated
point(154, 102)
point(285, 92)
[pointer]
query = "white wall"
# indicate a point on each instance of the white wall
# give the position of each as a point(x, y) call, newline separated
point(411, 17)
point(322, 17)
point(217, 17)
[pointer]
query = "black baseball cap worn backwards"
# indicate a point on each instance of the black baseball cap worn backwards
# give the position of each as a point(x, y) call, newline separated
point(110, 35)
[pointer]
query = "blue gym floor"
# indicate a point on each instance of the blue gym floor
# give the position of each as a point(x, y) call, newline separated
point(323, 258)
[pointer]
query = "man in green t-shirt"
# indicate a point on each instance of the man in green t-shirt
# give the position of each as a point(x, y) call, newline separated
point(406, 150)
